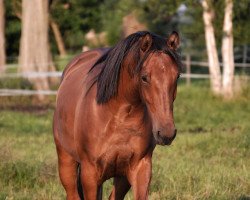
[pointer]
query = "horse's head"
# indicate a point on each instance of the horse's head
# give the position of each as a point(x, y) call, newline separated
point(158, 83)
point(153, 65)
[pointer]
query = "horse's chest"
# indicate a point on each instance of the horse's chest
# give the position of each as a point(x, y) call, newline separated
point(114, 161)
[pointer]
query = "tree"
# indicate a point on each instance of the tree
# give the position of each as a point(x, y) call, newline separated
point(220, 85)
point(2, 38)
point(58, 38)
point(227, 51)
point(34, 49)
point(213, 60)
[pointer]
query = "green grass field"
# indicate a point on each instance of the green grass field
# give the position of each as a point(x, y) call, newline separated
point(209, 159)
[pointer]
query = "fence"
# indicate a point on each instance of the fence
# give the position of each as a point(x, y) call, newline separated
point(188, 63)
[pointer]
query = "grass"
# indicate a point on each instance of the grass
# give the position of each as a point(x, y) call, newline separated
point(210, 158)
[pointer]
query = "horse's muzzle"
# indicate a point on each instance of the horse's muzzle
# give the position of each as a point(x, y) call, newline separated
point(164, 140)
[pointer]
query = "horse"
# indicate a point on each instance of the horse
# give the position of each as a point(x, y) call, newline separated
point(113, 106)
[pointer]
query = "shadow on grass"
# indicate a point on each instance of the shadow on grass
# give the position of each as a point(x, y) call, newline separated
point(244, 197)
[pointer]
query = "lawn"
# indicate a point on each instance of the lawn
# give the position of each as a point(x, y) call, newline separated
point(209, 159)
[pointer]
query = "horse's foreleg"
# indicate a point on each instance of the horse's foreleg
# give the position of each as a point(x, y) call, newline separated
point(120, 189)
point(140, 179)
point(91, 189)
point(99, 193)
point(68, 173)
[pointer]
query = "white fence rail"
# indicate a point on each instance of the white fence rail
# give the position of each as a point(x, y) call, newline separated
point(205, 64)
point(31, 75)
point(15, 92)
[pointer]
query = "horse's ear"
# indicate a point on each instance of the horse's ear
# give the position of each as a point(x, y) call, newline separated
point(146, 42)
point(173, 41)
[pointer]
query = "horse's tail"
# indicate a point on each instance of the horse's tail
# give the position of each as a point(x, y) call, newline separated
point(79, 183)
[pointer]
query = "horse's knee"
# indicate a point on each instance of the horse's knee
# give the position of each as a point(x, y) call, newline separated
point(140, 179)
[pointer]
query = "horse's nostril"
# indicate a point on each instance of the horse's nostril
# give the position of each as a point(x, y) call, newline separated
point(158, 133)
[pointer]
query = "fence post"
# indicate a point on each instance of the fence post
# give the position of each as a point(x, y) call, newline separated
point(244, 57)
point(188, 69)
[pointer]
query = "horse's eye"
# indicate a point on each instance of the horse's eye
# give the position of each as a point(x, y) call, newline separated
point(144, 78)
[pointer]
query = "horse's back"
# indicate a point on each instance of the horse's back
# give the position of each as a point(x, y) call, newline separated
point(71, 89)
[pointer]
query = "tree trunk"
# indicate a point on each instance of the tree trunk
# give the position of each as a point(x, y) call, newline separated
point(214, 65)
point(58, 38)
point(34, 49)
point(2, 39)
point(227, 51)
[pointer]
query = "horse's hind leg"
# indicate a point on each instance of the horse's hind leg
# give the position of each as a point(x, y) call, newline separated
point(120, 189)
point(68, 173)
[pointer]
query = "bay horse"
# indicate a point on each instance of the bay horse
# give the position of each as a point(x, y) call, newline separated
point(113, 106)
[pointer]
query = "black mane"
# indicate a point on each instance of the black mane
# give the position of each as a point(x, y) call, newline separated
point(108, 78)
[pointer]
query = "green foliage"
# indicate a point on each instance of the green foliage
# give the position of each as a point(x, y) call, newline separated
point(111, 20)
point(161, 16)
point(241, 22)
point(12, 27)
point(75, 18)
point(209, 158)
point(112, 13)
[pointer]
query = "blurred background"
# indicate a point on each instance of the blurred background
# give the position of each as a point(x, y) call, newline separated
point(210, 158)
